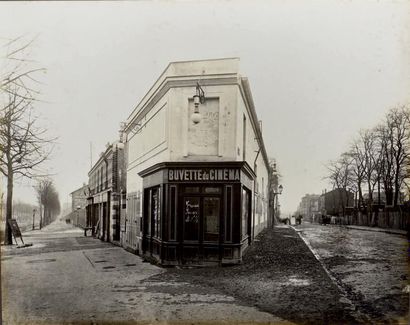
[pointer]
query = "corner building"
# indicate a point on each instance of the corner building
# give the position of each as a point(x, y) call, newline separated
point(197, 185)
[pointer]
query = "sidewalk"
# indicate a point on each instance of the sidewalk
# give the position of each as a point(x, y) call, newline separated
point(57, 236)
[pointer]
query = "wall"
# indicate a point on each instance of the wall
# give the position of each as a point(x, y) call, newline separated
point(260, 202)
point(146, 145)
point(214, 137)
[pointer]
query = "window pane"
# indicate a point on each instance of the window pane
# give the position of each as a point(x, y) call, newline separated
point(211, 219)
point(245, 212)
point(191, 218)
point(155, 212)
point(228, 214)
point(212, 190)
point(173, 212)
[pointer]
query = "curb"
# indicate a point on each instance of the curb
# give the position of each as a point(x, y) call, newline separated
point(387, 231)
point(365, 228)
point(356, 314)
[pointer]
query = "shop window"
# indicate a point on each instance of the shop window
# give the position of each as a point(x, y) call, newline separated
point(245, 213)
point(211, 218)
point(152, 214)
point(191, 218)
point(155, 212)
point(148, 213)
point(228, 214)
point(173, 212)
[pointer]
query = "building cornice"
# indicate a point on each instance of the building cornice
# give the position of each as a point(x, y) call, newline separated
point(247, 94)
point(176, 82)
point(102, 157)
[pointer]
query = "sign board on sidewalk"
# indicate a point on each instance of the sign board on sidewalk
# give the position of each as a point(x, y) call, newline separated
point(14, 228)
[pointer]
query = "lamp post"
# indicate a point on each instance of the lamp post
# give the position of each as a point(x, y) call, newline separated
point(275, 198)
point(199, 98)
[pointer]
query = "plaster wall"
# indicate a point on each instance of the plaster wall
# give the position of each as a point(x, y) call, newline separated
point(247, 149)
point(213, 139)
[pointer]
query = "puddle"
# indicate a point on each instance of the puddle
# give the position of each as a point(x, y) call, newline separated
point(299, 282)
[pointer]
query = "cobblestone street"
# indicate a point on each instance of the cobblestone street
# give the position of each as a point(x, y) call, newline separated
point(370, 267)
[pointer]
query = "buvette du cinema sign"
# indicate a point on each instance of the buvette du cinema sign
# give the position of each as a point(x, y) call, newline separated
point(200, 175)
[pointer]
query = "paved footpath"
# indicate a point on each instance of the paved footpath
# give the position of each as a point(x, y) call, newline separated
point(371, 267)
point(66, 278)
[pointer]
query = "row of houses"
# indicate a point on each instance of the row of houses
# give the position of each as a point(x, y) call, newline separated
point(334, 203)
point(187, 181)
point(339, 202)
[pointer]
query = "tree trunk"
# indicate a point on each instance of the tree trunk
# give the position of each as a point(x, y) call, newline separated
point(41, 216)
point(360, 196)
point(378, 192)
point(396, 192)
point(8, 240)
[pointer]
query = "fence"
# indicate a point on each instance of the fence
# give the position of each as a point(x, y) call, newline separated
point(381, 219)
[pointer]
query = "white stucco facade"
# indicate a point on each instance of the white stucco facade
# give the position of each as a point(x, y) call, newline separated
point(160, 130)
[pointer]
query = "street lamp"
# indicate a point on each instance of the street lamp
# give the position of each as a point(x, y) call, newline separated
point(199, 98)
point(275, 196)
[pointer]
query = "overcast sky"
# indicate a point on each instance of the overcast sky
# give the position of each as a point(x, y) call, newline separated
point(319, 71)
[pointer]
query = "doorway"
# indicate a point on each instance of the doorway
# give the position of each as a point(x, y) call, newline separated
point(201, 222)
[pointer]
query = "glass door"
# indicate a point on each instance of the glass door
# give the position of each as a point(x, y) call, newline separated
point(191, 218)
point(211, 214)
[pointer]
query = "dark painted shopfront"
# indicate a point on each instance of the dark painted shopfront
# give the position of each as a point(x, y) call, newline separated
point(197, 212)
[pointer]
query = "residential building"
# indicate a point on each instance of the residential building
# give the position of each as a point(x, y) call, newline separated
point(77, 216)
point(197, 168)
point(309, 207)
point(106, 193)
point(336, 201)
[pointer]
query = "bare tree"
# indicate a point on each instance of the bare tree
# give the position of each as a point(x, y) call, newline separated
point(48, 200)
point(358, 168)
point(398, 125)
point(394, 142)
point(24, 145)
point(342, 177)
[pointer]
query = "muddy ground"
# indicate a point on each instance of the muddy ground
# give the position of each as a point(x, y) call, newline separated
point(279, 275)
point(370, 266)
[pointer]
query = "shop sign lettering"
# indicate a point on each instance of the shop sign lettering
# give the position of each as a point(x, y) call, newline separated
point(189, 175)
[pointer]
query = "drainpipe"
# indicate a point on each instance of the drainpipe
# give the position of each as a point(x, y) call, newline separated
point(253, 194)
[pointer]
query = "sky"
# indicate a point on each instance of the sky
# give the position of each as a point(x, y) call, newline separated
point(319, 72)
